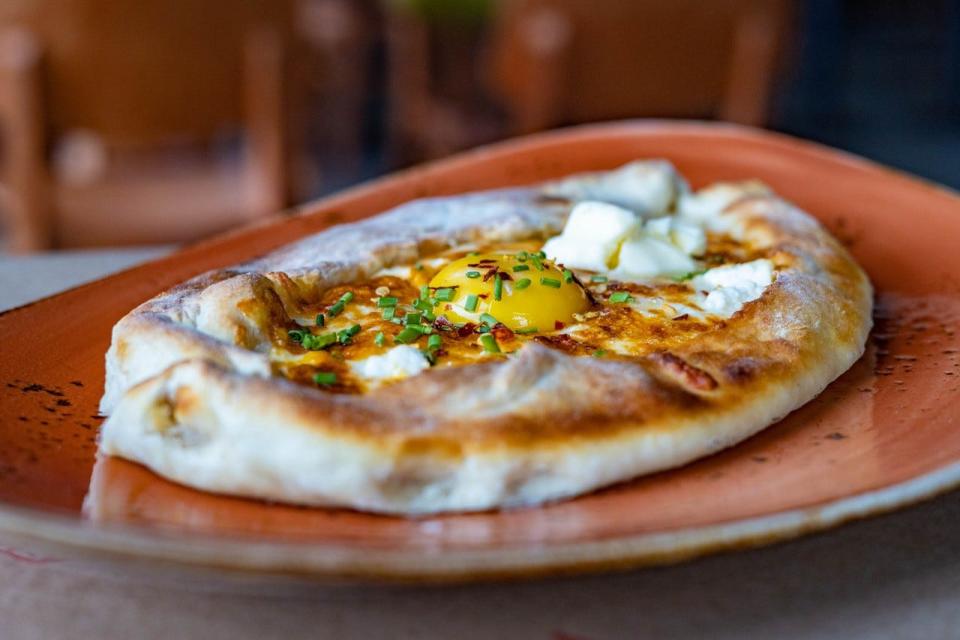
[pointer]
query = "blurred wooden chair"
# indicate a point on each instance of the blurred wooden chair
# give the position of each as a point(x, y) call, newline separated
point(127, 123)
point(555, 62)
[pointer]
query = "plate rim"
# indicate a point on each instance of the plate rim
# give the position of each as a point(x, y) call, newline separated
point(529, 560)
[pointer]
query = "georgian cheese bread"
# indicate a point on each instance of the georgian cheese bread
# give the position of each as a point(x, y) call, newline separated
point(492, 349)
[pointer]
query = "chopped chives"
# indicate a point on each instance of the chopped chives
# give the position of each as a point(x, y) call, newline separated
point(497, 287)
point(473, 274)
point(347, 297)
point(434, 342)
point(387, 301)
point(489, 343)
point(445, 294)
point(409, 334)
point(598, 278)
point(316, 343)
point(599, 353)
point(424, 292)
point(535, 259)
point(325, 378)
point(522, 283)
point(542, 255)
point(522, 256)
point(521, 267)
point(324, 341)
point(411, 318)
point(567, 276)
point(471, 303)
point(620, 296)
point(335, 309)
point(526, 331)
point(389, 313)
point(353, 330)
point(295, 334)
point(320, 321)
point(378, 340)
point(486, 318)
point(483, 329)
point(550, 282)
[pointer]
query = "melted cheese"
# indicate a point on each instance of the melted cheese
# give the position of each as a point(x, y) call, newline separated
point(729, 287)
point(592, 236)
point(398, 362)
point(648, 188)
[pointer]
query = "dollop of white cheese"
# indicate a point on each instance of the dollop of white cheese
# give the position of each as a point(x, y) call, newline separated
point(706, 205)
point(686, 236)
point(729, 287)
point(592, 236)
point(648, 256)
point(399, 362)
point(647, 187)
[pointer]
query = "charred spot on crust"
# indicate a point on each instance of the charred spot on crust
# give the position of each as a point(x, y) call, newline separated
point(564, 343)
point(682, 372)
point(741, 370)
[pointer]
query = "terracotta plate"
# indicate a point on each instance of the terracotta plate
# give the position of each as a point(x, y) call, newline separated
point(882, 436)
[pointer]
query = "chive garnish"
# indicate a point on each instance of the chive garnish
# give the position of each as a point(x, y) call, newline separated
point(567, 276)
point(526, 331)
point(378, 340)
point(353, 330)
point(483, 329)
point(424, 292)
point(471, 303)
point(620, 296)
point(550, 282)
point(497, 287)
point(336, 308)
point(412, 318)
point(598, 278)
point(522, 283)
point(535, 259)
point(316, 343)
point(347, 297)
point(409, 334)
point(489, 343)
point(486, 318)
point(434, 342)
point(521, 267)
point(473, 274)
point(542, 255)
point(388, 313)
point(445, 294)
point(325, 378)
point(387, 301)
point(295, 334)
point(599, 353)
point(522, 256)
point(320, 321)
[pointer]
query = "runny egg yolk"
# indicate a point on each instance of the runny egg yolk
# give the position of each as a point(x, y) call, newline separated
point(533, 293)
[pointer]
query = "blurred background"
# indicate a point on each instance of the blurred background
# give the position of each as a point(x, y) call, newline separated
point(141, 123)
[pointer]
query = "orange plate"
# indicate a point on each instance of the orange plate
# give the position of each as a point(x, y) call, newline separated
point(882, 436)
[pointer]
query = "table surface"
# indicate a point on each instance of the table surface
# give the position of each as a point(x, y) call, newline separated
point(895, 576)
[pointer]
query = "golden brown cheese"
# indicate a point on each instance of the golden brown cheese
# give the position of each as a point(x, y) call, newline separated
point(659, 315)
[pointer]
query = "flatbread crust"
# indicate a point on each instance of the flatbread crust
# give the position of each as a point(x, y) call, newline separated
point(190, 392)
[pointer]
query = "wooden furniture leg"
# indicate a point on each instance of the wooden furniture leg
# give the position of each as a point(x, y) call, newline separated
point(22, 167)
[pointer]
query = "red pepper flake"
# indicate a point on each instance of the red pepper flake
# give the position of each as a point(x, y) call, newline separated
point(466, 330)
point(489, 274)
point(558, 325)
point(502, 332)
point(505, 276)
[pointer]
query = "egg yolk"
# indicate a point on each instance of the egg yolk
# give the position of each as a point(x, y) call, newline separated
point(533, 293)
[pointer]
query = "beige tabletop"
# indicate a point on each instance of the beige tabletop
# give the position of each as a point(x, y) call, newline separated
point(896, 576)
